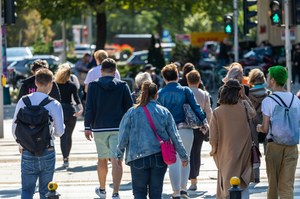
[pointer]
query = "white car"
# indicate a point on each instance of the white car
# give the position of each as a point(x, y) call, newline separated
point(81, 49)
point(17, 53)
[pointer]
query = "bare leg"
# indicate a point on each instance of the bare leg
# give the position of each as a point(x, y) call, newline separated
point(102, 172)
point(117, 172)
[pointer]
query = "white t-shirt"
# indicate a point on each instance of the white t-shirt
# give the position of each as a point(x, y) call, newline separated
point(269, 104)
point(95, 73)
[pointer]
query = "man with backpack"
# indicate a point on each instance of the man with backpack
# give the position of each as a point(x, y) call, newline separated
point(281, 113)
point(35, 116)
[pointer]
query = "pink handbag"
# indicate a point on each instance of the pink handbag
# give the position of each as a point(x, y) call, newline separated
point(167, 149)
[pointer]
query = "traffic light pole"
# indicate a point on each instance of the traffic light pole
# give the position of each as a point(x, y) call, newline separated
point(236, 38)
point(287, 44)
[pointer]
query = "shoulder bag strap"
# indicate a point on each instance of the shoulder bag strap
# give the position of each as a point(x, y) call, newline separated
point(248, 121)
point(151, 122)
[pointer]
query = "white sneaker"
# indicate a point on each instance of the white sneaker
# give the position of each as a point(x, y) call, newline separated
point(100, 193)
point(116, 196)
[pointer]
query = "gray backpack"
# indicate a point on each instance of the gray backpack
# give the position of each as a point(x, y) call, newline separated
point(284, 124)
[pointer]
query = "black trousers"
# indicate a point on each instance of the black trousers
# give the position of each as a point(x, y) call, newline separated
point(195, 158)
point(66, 138)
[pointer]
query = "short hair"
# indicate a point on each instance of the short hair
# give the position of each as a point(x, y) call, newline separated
point(109, 65)
point(188, 67)
point(193, 77)
point(100, 55)
point(256, 76)
point(38, 64)
point(63, 73)
point(279, 74)
point(230, 92)
point(44, 76)
point(141, 78)
point(170, 72)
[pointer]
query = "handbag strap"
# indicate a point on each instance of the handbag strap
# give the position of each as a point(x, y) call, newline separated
point(248, 121)
point(151, 122)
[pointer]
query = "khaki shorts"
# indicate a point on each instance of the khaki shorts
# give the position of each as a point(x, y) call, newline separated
point(106, 143)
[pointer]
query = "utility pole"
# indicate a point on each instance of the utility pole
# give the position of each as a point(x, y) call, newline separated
point(236, 37)
point(64, 55)
point(287, 44)
point(1, 73)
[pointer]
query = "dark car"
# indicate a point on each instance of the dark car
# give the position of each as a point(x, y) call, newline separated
point(19, 70)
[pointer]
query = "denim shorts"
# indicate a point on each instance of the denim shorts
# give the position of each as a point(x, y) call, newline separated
point(106, 143)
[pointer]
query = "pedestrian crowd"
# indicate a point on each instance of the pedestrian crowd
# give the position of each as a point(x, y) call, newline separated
point(164, 117)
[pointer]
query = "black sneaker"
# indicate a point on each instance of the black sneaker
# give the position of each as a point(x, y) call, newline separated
point(116, 196)
point(184, 194)
point(175, 197)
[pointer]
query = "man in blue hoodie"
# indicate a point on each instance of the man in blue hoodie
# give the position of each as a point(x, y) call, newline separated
point(108, 99)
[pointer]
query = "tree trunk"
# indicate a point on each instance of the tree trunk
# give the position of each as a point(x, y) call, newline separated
point(101, 30)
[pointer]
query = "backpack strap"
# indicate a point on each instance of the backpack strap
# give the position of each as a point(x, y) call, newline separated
point(274, 100)
point(26, 101)
point(280, 99)
point(46, 101)
point(292, 100)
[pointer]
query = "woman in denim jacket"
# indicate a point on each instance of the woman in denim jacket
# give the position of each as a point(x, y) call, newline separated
point(143, 152)
point(173, 96)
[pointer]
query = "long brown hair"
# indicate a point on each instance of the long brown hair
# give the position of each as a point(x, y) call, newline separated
point(148, 92)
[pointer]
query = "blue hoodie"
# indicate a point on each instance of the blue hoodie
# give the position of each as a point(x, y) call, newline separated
point(108, 99)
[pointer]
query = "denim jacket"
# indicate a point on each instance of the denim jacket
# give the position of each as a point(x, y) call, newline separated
point(173, 96)
point(138, 138)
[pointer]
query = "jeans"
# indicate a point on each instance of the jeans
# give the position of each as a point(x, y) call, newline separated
point(148, 173)
point(179, 175)
point(36, 167)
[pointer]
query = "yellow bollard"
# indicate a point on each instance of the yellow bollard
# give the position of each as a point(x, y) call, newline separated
point(52, 194)
point(235, 192)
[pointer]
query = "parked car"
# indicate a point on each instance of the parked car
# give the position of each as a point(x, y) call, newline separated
point(140, 58)
point(19, 70)
point(17, 53)
point(81, 49)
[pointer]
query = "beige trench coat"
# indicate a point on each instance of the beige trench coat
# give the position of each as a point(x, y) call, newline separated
point(231, 143)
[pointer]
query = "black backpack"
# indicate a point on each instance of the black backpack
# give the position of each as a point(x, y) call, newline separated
point(32, 129)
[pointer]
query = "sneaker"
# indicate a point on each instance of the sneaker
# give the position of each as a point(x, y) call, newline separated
point(66, 163)
point(193, 187)
point(100, 192)
point(184, 194)
point(175, 197)
point(115, 196)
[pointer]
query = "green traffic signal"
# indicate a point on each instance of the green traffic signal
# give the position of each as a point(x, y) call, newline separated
point(228, 29)
point(276, 18)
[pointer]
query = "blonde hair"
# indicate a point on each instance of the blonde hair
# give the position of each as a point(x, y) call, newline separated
point(100, 55)
point(256, 76)
point(63, 73)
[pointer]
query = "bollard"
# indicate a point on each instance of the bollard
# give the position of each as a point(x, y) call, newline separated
point(52, 194)
point(235, 192)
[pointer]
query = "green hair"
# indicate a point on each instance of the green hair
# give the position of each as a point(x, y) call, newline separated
point(279, 74)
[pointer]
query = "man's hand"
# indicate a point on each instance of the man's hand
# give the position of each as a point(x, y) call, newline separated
point(259, 128)
point(88, 135)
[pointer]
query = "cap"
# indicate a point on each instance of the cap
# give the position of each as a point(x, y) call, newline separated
point(149, 67)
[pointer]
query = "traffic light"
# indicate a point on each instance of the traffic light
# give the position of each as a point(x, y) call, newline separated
point(296, 12)
point(276, 12)
point(248, 14)
point(9, 11)
point(228, 28)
